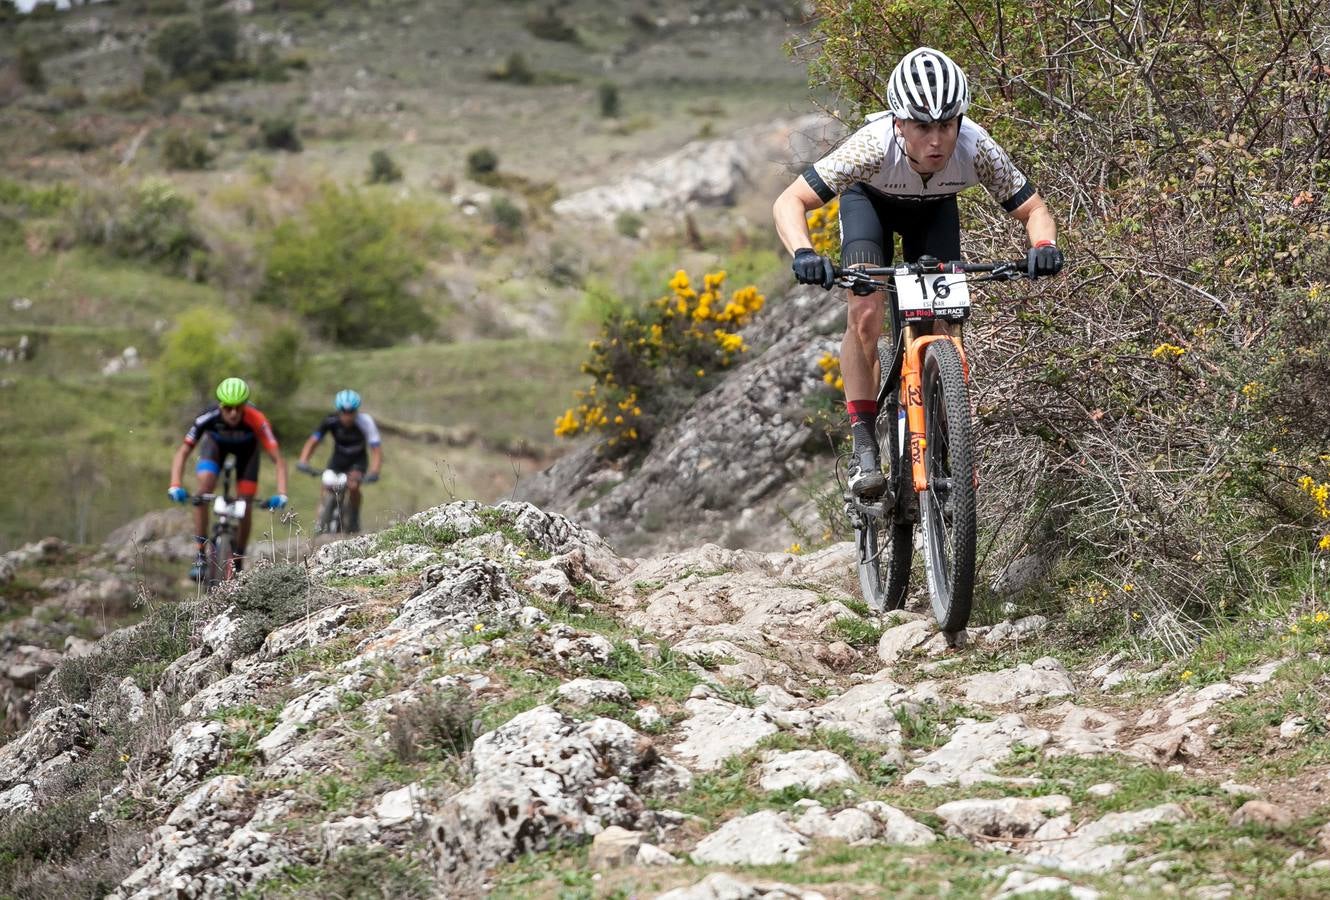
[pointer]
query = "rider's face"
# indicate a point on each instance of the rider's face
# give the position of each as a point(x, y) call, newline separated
point(232, 415)
point(929, 145)
point(347, 416)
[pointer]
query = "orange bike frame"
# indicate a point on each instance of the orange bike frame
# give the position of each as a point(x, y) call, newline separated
point(912, 380)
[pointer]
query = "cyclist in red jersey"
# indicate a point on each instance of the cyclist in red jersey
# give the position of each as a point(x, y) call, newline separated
point(234, 427)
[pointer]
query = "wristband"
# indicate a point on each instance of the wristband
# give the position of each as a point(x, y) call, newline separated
point(1044, 243)
point(802, 250)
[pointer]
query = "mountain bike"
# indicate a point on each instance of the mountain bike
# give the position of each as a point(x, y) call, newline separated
point(228, 512)
point(924, 432)
point(332, 507)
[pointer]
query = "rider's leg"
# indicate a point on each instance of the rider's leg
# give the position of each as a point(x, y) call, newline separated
point(353, 496)
point(863, 240)
point(247, 487)
point(209, 464)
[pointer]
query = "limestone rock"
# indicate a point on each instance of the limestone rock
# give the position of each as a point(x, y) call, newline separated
point(1026, 684)
point(717, 730)
point(544, 778)
point(761, 839)
point(1262, 813)
point(585, 691)
point(1088, 850)
point(901, 639)
point(1084, 732)
point(895, 826)
point(975, 750)
point(811, 770)
point(854, 826)
point(721, 886)
point(1003, 817)
point(1021, 883)
point(614, 847)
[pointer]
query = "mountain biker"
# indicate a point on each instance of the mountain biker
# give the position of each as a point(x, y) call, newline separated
point(353, 433)
point(233, 427)
point(900, 174)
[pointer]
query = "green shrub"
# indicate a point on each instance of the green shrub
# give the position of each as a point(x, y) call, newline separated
point(30, 68)
point(439, 725)
point(347, 268)
point(182, 48)
point(481, 162)
point(506, 216)
point(36, 200)
point(151, 222)
point(186, 150)
point(628, 224)
point(279, 133)
point(647, 366)
point(514, 70)
point(383, 169)
point(550, 26)
point(608, 96)
point(195, 357)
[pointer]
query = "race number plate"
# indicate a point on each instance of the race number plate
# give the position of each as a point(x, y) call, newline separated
point(932, 296)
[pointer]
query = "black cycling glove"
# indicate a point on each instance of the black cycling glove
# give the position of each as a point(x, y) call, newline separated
point(810, 268)
point(1044, 259)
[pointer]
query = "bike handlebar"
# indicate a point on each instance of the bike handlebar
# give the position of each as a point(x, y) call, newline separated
point(1000, 270)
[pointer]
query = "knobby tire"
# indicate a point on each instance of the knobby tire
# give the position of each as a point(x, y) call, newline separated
point(886, 547)
point(219, 560)
point(947, 508)
point(327, 513)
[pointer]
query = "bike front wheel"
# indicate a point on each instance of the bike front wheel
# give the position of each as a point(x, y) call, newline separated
point(947, 508)
point(886, 545)
point(219, 560)
point(329, 515)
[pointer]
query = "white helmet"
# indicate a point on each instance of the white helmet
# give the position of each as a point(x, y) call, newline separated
point(928, 87)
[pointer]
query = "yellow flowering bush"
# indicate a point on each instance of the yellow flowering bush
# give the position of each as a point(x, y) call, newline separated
point(830, 366)
point(1319, 492)
point(646, 364)
point(824, 229)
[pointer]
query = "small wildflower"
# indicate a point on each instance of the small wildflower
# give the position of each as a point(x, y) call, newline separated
point(796, 547)
point(477, 627)
point(1187, 675)
point(1129, 588)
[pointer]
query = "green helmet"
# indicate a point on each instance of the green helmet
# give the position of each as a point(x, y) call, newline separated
point(232, 392)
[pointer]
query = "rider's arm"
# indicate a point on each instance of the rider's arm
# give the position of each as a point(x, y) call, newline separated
point(1038, 221)
point(375, 460)
point(178, 462)
point(790, 212)
point(308, 450)
point(275, 453)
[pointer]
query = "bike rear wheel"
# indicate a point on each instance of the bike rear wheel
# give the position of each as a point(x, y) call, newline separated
point(947, 508)
point(886, 545)
point(330, 519)
point(219, 560)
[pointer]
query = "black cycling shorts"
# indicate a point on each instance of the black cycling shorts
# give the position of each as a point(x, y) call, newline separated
point(213, 454)
point(870, 221)
point(346, 462)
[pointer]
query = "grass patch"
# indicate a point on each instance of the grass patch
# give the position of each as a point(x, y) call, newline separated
point(354, 872)
point(856, 632)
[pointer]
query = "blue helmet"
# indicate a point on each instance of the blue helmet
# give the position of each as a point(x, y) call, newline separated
point(347, 401)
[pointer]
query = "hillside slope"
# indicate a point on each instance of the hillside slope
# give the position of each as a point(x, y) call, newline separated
point(489, 700)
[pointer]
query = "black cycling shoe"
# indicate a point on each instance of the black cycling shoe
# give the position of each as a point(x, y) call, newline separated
point(866, 480)
point(196, 570)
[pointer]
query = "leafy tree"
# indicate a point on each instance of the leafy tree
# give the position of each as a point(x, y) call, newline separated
point(383, 169)
point(280, 133)
point(195, 357)
point(30, 68)
point(346, 269)
point(182, 47)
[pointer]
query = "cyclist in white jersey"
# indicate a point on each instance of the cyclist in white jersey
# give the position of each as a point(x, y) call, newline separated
point(900, 174)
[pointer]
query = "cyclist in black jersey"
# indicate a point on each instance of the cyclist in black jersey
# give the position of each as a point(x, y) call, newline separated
point(900, 174)
point(357, 448)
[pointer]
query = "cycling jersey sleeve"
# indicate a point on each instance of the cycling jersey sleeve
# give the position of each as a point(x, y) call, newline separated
point(369, 429)
point(199, 426)
point(323, 428)
point(999, 175)
point(858, 159)
point(262, 429)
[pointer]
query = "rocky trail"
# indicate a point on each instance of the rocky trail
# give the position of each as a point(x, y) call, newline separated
point(489, 700)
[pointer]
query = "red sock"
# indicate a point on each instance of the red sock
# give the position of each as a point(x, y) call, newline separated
point(862, 411)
